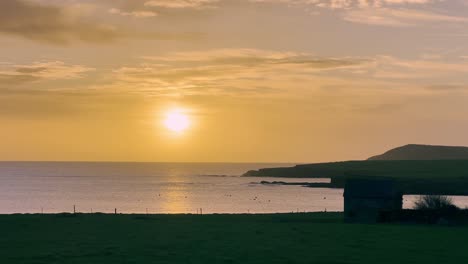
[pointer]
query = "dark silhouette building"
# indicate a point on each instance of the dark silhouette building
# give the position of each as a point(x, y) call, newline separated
point(366, 199)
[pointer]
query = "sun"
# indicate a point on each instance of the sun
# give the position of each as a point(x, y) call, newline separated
point(176, 121)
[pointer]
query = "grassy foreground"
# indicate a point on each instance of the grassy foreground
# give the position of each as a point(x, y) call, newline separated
point(276, 238)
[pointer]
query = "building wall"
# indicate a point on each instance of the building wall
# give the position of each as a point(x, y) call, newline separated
point(368, 209)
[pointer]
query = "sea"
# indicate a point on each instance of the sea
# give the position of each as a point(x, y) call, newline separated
point(160, 188)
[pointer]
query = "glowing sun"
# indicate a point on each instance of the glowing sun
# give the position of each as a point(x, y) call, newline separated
point(176, 121)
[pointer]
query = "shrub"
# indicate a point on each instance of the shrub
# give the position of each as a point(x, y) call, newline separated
point(434, 202)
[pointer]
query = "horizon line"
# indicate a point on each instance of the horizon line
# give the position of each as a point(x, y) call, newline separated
point(104, 161)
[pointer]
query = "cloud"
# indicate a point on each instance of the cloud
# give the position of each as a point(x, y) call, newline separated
point(396, 13)
point(239, 71)
point(227, 71)
point(448, 87)
point(50, 24)
point(256, 58)
point(408, 1)
point(198, 4)
point(53, 70)
point(7, 79)
point(343, 4)
point(398, 17)
point(250, 72)
point(391, 67)
point(59, 24)
point(143, 14)
point(370, 12)
point(253, 72)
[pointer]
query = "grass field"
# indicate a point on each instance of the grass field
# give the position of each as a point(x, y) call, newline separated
point(413, 176)
point(276, 238)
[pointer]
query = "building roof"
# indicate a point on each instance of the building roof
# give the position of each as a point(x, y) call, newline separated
point(366, 188)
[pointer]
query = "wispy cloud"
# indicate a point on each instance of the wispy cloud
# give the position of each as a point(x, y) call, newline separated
point(255, 57)
point(395, 13)
point(53, 70)
point(227, 71)
point(424, 69)
point(398, 17)
point(341, 4)
point(380, 12)
point(143, 14)
point(181, 3)
point(242, 71)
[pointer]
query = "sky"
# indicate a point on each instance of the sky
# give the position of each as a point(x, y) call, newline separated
point(255, 80)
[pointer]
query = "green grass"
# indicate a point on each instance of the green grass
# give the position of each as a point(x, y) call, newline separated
point(278, 238)
point(414, 177)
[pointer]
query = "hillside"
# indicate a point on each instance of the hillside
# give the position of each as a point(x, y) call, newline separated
point(413, 176)
point(424, 152)
point(418, 169)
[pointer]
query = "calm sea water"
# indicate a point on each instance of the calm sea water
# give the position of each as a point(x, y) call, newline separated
point(156, 187)
point(29, 187)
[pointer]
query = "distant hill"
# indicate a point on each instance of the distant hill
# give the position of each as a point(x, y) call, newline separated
point(448, 177)
point(424, 152)
point(417, 169)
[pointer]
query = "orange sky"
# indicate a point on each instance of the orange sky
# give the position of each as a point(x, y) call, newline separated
point(258, 80)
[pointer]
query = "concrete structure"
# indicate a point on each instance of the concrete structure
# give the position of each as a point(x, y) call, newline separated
point(365, 199)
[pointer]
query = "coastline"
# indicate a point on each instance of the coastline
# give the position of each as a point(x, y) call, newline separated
point(414, 177)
